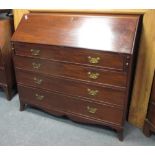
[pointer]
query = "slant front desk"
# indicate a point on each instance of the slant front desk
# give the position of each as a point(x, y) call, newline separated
point(77, 65)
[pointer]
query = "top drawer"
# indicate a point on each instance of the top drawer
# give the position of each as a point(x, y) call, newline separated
point(87, 57)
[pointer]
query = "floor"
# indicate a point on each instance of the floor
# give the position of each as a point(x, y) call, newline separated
point(34, 127)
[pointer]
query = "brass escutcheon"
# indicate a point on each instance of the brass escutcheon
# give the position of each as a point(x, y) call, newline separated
point(92, 92)
point(37, 80)
point(93, 60)
point(39, 97)
point(35, 52)
point(91, 110)
point(93, 75)
point(35, 65)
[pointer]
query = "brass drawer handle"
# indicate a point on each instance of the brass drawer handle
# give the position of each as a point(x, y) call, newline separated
point(35, 52)
point(37, 81)
point(93, 75)
point(91, 110)
point(35, 65)
point(92, 92)
point(93, 60)
point(39, 97)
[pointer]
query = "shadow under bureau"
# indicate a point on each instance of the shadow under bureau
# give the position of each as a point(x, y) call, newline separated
point(77, 65)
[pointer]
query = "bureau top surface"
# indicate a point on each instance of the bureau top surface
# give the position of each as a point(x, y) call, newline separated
point(105, 32)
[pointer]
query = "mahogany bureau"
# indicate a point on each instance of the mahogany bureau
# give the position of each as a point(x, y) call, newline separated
point(149, 125)
point(77, 65)
point(7, 77)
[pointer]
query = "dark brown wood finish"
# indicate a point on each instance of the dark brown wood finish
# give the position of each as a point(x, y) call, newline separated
point(74, 55)
point(7, 77)
point(1, 64)
point(67, 70)
point(72, 105)
point(114, 33)
point(2, 76)
point(75, 88)
point(77, 65)
point(149, 125)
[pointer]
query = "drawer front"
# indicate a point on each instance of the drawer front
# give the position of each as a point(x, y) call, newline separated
point(54, 101)
point(2, 76)
point(151, 114)
point(74, 55)
point(75, 88)
point(72, 71)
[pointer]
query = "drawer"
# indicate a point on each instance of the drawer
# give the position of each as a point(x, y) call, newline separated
point(75, 88)
point(151, 114)
point(81, 56)
point(54, 101)
point(72, 71)
point(2, 76)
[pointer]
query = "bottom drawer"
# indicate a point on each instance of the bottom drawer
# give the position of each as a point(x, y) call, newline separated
point(152, 113)
point(54, 101)
point(2, 76)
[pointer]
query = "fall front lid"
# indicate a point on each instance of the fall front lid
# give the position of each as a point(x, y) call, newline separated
point(107, 32)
